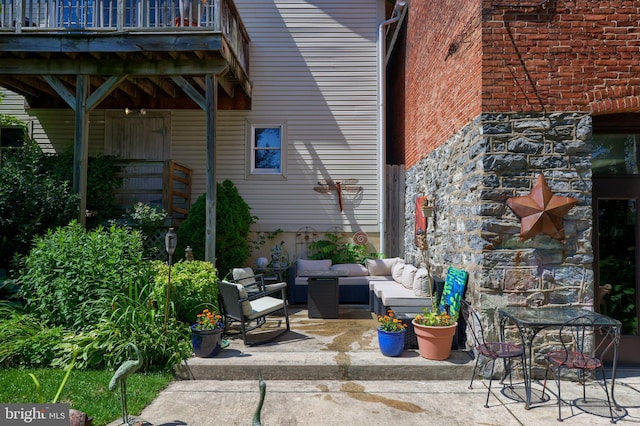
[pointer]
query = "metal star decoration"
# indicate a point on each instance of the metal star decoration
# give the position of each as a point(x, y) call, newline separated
point(541, 211)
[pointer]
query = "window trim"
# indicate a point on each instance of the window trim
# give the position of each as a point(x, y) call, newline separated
point(251, 171)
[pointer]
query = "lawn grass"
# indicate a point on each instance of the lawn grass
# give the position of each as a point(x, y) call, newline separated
point(85, 390)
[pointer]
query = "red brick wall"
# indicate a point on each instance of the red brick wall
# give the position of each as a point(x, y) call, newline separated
point(581, 55)
point(442, 72)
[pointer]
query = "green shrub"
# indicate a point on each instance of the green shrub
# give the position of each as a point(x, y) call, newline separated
point(338, 251)
point(71, 275)
point(233, 221)
point(31, 201)
point(25, 342)
point(101, 181)
point(103, 345)
point(149, 220)
point(194, 285)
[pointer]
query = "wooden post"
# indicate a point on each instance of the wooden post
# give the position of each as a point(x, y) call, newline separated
point(210, 117)
point(80, 149)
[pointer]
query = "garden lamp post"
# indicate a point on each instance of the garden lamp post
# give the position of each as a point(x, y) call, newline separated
point(170, 242)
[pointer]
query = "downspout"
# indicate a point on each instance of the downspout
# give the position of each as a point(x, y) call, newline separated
point(398, 12)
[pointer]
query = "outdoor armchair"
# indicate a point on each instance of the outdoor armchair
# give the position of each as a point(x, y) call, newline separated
point(250, 305)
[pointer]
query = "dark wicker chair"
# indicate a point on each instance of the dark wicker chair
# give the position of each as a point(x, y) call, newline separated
point(584, 342)
point(493, 350)
point(249, 304)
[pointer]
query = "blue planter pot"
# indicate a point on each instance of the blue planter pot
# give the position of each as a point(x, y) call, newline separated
point(391, 342)
point(206, 343)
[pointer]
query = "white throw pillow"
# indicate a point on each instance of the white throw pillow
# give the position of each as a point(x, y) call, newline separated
point(408, 274)
point(396, 271)
point(381, 267)
point(306, 267)
point(350, 269)
point(421, 283)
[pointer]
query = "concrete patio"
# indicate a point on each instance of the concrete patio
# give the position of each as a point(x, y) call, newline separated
point(331, 372)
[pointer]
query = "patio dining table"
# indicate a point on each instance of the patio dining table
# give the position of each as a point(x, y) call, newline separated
point(531, 320)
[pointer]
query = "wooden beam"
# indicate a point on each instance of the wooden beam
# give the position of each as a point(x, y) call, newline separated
point(110, 42)
point(190, 91)
point(225, 84)
point(91, 66)
point(210, 106)
point(143, 85)
point(103, 91)
point(19, 87)
point(62, 91)
point(164, 86)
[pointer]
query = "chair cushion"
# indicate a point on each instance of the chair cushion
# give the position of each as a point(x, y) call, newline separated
point(242, 294)
point(381, 267)
point(244, 276)
point(306, 267)
point(350, 269)
point(263, 306)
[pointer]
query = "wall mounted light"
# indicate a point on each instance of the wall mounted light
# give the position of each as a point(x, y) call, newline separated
point(129, 111)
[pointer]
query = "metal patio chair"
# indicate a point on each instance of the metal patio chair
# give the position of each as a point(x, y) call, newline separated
point(584, 342)
point(490, 349)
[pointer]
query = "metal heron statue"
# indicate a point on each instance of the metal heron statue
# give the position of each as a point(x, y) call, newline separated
point(263, 391)
point(127, 368)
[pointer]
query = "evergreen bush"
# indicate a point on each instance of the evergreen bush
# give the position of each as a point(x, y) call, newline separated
point(233, 222)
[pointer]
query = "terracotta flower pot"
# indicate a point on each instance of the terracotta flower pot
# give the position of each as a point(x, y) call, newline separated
point(434, 342)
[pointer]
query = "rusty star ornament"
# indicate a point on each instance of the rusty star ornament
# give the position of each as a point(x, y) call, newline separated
point(541, 211)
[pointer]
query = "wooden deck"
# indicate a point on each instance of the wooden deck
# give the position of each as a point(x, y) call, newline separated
point(154, 51)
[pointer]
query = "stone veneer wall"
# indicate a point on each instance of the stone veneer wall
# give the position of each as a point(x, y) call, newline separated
point(471, 176)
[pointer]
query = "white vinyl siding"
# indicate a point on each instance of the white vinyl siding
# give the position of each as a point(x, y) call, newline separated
point(313, 65)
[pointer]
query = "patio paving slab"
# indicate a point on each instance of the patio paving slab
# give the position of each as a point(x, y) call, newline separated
point(331, 372)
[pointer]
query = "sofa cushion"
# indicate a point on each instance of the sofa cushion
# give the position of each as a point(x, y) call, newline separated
point(408, 274)
point(396, 271)
point(399, 295)
point(381, 267)
point(421, 283)
point(306, 267)
point(378, 287)
point(350, 269)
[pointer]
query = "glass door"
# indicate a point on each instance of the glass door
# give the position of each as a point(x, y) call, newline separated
point(616, 194)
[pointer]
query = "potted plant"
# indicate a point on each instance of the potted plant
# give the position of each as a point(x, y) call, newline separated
point(391, 332)
point(206, 334)
point(434, 331)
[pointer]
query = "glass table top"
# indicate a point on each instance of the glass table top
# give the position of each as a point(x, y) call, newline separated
point(552, 316)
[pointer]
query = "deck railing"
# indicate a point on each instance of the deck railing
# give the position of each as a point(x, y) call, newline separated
point(89, 16)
